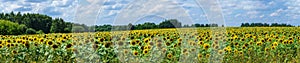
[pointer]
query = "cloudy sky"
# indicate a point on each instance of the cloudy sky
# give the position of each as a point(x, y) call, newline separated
point(139, 11)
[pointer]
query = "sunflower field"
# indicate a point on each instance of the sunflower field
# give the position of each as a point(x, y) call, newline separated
point(186, 45)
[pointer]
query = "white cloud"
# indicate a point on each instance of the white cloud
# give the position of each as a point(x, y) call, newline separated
point(237, 15)
point(87, 13)
point(165, 8)
point(293, 9)
point(261, 16)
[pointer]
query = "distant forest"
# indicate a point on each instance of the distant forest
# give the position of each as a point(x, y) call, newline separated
point(265, 25)
point(32, 23)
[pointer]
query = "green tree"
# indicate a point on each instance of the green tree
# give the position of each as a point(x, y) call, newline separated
point(149, 25)
point(58, 26)
point(78, 29)
point(172, 23)
point(30, 31)
point(10, 28)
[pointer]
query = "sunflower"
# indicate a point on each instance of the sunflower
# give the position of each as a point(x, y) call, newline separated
point(290, 41)
point(14, 52)
point(220, 51)
point(170, 56)
point(146, 40)
point(2, 42)
point(146, 51)
point(125, 51)
point(135, 53)
point(207, 55)
point(244, 47)
point(69, 46)
point(184, 50)
point(167, 43)
point(54, 46)
point(216, 46)
point(206, 46)
point(49, 43)
point(108, 44)
point(267, 49)
point(241, 53)
point(274, 44)
point(199, 55)
point(246, 44)
point(249, 50)
point(41, 40)
point(200, 43)
point(147, 47)
point(27, 45)
point(193, 49)
point(236, 44)
point(179, 40)
point(227, 49)
point(273, 47)
point(186, 53)
point(133, 43)
point(101, 39)
point(259, 43)
point(8, 41)
point(285, 42)
point(1, 45)
point(164, 50)
point(236, 51)
point(175, 45)
point(8, 45)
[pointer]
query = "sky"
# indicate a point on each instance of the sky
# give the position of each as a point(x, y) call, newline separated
point(122, 12)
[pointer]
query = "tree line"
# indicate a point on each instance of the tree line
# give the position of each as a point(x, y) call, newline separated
point(265, 25)
point(32, 24)
point(169, 23)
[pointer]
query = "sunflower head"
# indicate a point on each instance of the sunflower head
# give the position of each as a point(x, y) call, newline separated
point(14, 52)
point(108, 44)
point(267, 49)
point(206, 46)
point(199, 55)
point(273, 47)
point(236, 51)
point(241, 53)
point(125, 51)
point(207, 55)
point(147, 47)
point(135, 53)
point(164, 50)
point(146, 51)
point(69, 46)
point(290, 41)
point(220, 51)
point(133, 42)
point(1, 46)
point(146, 40)
point(50, 42)
point(274, 44)
point(54, 46)
point(170, 55)
point(200, 43)
point(259, 43)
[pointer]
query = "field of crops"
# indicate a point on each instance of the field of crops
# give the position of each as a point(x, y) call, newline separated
point(232, 45)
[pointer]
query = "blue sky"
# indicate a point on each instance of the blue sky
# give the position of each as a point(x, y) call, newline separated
point(187, 11)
